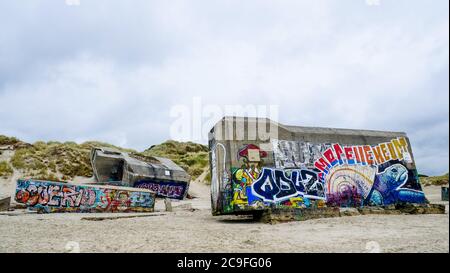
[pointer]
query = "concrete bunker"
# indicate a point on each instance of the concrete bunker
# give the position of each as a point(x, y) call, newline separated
point(160, 175)
point(258, 165)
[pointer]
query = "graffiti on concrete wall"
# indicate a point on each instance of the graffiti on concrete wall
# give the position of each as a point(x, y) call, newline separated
point(221, 184)
point(364, 155)
point(255, 186)
point(295, 154)
point(214, 176)
point(252, 159)
point(396, 183)
point(308, 174)
point(61, 197)
point(349, 186)
point(277, 185)
point(376, 175)
point(175, 190)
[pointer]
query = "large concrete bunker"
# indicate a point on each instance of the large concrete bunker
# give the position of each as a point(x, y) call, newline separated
point(257, 164)
point(157, 174)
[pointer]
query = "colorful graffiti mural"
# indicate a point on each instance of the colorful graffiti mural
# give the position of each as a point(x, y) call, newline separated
point(277, 185)
point(375, 175)
point(396, 149)
point(49, 196)
point(170, 189)
point(349, 186)
point(308, 175)
point(252, 159)
point(255, 187)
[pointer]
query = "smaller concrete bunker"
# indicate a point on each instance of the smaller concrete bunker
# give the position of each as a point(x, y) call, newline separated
point(160, 175)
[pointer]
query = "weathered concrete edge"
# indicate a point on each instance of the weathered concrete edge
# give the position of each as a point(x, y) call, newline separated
point(5, 203)
point(287, 215)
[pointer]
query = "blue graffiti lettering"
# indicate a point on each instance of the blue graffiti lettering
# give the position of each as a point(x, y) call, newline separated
point(275, 185)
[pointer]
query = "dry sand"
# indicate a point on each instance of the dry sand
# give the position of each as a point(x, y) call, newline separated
point(195, 230)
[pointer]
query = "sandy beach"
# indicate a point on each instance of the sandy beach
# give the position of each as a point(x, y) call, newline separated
point(192, 228)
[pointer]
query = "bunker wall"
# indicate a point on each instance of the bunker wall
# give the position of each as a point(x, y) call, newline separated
point(259, 165)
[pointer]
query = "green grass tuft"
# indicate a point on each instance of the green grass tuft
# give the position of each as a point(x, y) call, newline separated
point(192, 157)
point(5, 169)
point(4, 140)
point(434, 180)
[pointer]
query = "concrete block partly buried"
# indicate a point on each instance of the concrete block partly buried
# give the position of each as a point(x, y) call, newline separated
point(349, 212)
point(278, 215)
point(371, 210)
point(435, 209)
point(46, 196)
point(421, 208)
point(390, 209)
point(168, 204)
point(185, 207)
point(444, 193)
point(4, 203)
point(297, 214)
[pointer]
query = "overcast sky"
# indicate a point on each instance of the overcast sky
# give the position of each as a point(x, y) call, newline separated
point(112, 70)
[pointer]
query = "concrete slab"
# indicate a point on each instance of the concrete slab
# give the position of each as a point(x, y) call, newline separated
point(47, 196)
point(4, 203)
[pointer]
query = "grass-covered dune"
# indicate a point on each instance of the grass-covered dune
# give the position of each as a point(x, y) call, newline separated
point(65, 160)
point(434, 180)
